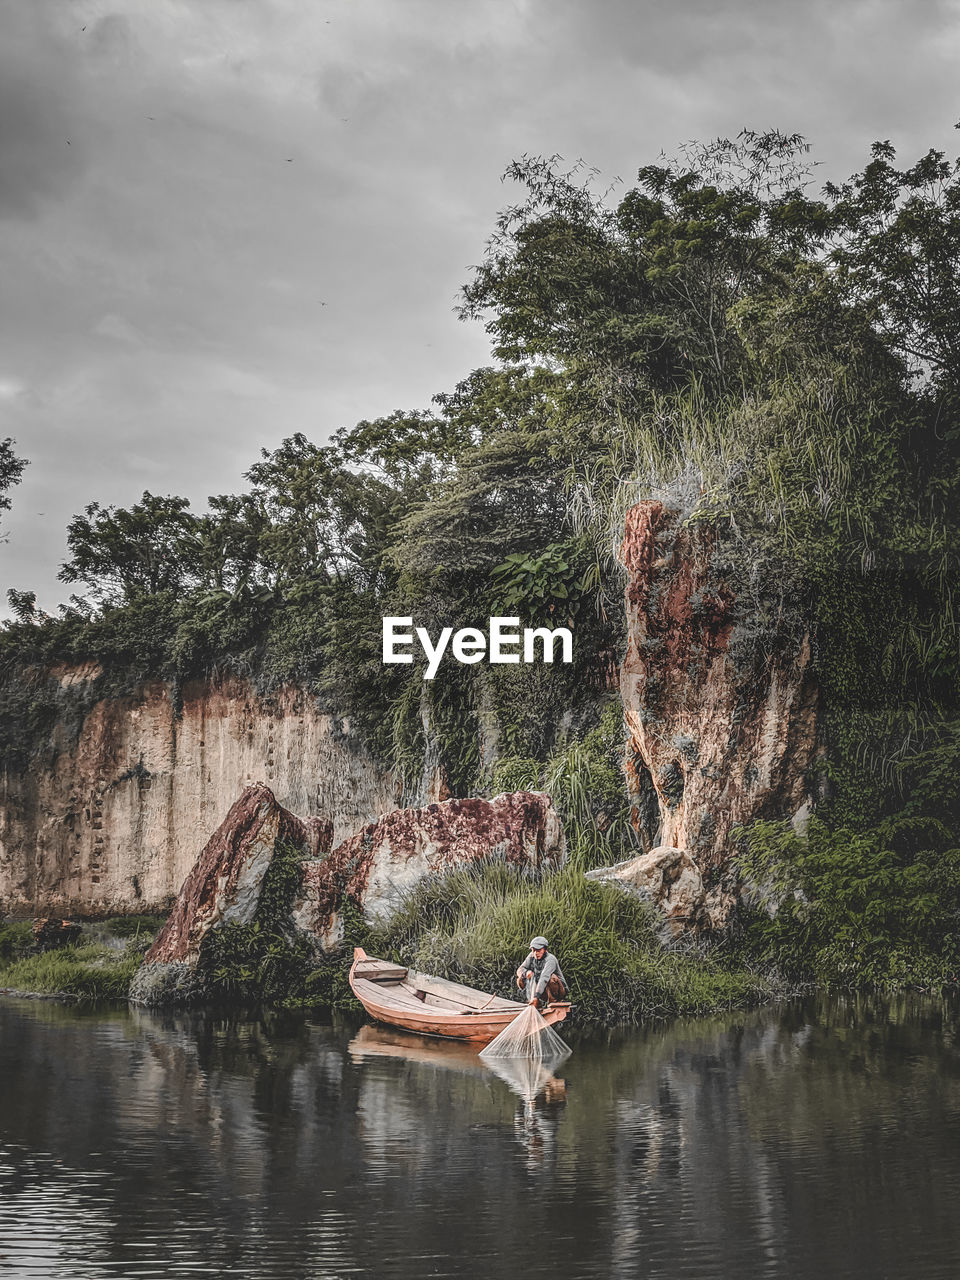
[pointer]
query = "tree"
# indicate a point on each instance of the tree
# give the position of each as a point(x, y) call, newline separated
point(121, 554)
point(896, 247)
point(635, 298)
point(11, 471)
point(504, 494)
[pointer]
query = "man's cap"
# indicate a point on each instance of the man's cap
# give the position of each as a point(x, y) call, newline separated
point(537, 943)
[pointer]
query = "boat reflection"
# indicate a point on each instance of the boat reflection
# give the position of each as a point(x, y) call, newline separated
point(528, 1078)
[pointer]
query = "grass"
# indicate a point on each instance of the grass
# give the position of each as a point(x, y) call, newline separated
point(474, 926)
point(90, 972)
point(86, 970)
point(133, 926)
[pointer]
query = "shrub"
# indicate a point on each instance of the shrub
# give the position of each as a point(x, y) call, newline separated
point(15, 939)
point(474, 926)
point(877, 907)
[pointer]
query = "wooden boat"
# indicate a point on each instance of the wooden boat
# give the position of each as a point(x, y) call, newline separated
point(433, 1006)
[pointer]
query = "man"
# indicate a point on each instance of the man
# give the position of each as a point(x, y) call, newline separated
point(542, 971)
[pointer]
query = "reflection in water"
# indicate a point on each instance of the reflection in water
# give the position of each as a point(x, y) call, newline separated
point(527, 1077)
point(543, 1096)
point(818, 1139)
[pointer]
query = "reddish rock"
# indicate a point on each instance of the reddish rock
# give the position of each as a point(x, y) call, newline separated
point(224, 885)
point(710, 745)
point(376, 867)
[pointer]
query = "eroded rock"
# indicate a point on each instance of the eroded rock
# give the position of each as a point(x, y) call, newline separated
point(51, 934)
point(372, 870)
point(711, 743)
point(376, 867)
point(224, 885)
point(669, 877)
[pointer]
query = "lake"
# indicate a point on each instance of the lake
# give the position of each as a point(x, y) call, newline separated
point(819, 1138)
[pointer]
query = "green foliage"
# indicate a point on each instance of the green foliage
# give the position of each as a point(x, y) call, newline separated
point(86, 970)
point(516, 773)
point(473, 926)
point(11, 471)
point(585, 781)
point(121, 554)
point(15, 939)
point(263, 961)
point(555, 583)
point(139, 927)
point(898, 249)
point(879, 906)
point(253, 963)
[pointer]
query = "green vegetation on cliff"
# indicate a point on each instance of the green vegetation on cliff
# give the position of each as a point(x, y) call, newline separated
point(782, 364)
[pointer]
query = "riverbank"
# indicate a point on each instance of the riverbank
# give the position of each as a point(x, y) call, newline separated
point(97, 966)
point(472, 926)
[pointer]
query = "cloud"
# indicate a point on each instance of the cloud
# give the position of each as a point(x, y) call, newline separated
point(114, 326)
point(10, 388)
point(266, 209)
point(39, 159)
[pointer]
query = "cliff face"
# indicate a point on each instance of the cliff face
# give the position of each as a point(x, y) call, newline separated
point(711, 744)
point(112, 821)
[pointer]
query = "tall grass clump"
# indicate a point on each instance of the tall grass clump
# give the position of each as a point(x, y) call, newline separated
point(88, 971)
point(474, 926)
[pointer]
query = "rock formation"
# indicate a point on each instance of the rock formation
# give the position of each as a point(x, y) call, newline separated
point(223, 888)
point(371, 870)
point(671, 880)
point(51, 934)
point(224, 885)
point(106, 818)
point(710, 745)
point(375, 868)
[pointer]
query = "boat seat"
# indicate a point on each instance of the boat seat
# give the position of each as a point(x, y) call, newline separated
point(381, 972)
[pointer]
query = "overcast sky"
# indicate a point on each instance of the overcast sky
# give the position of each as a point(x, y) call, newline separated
point(224, 221)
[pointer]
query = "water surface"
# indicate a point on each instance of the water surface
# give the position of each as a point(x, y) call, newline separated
point(813, 1140)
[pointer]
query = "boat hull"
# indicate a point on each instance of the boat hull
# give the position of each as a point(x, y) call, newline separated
point(392, 1005)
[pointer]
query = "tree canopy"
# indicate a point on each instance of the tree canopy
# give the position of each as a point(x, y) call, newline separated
point(777, 359)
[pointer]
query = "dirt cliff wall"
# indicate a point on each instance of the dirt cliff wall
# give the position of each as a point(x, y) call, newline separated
point(113, 819)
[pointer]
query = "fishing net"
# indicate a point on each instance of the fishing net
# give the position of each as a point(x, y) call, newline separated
point(527, 1036)
point(527, 1077)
